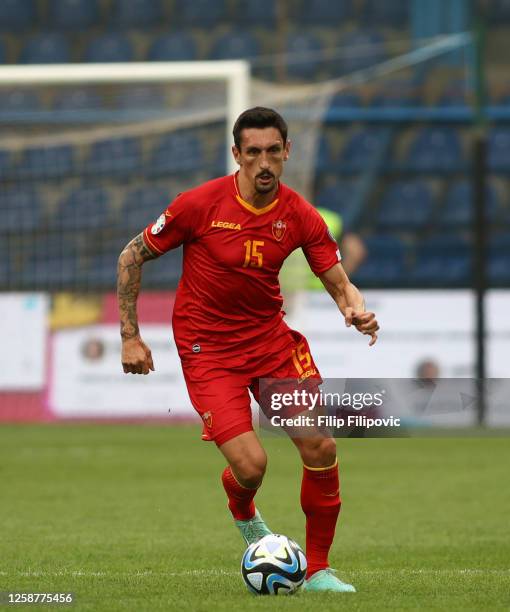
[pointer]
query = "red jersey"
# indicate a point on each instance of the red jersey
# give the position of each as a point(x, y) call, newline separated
point(228, 298)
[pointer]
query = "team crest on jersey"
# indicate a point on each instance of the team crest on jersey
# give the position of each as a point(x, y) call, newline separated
point(279, 228)
point(159, 225)
point(207, 418)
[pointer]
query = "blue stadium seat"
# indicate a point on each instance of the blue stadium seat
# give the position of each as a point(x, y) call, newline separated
point(176, 153)
point(257, 13)
point(20, 209)
point(346, 100)
point(458, 208)
point(46, 162)
point(393, 13)
point(73, 14)
point(499, 12)
point(455, 94)
point(199, 13)
point(59, 268)
point(115, 157)
point(179, 46)
point(7, 267)
point(235, 45)
point(19, 101)
point(322, 13)
point(435, 150)
point(5, 164)
point(143, 205)
point(362, 48)
point(360, 149)
point(338, 197)
point(83, 208)
point(405, 205)
point(85, 98)
point(303, 50)
point(385, 265)
point(396, 93)
point(137, 13)
point(46, 48)
point(3, 53)
point(101, 270)
point(164, 272)
point(111, 47)
point(442, 261)
point(499, 260)
point(141, 97)
point(498, 149)
point(16, 15)
point(325, 160)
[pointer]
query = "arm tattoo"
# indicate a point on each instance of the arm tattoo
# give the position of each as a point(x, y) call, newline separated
point(129, 278)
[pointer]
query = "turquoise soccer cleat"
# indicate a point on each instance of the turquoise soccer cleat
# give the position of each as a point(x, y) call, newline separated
point(325, 580)
point(254, 529)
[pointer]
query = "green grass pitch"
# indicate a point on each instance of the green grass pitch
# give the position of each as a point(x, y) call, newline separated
point(134, 518)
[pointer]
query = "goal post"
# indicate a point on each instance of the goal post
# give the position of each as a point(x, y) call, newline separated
point(234, 73)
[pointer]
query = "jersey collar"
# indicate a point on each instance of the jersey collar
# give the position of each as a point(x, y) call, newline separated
point(250, 207)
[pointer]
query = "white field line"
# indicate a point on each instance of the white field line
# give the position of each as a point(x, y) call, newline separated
point(221, 572)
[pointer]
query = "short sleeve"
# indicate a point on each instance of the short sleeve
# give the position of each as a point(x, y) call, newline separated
point(320, 248)
point(173, 227)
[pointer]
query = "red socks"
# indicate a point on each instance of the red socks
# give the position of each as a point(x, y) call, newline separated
point(240, 499)
point(320, 500)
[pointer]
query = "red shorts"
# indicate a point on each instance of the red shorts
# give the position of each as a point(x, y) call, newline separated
point(220, 394)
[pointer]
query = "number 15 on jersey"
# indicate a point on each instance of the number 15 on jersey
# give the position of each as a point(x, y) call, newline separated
point(253, 256)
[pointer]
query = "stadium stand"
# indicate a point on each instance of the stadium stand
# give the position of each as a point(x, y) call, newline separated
point(235, 45)
point(435, 150)
point(137, 13)
point(73, 15)
point(406, 205)
point(142, 205)
point(19, 101)
point(498, 158)
point(46, 162)
point(200, 13)
point(385, 264)
point(84, 208)
point(110, 47)
point(322, 12)
point(362, 146)
point(115, 157)
point(78, 99)
point(258, 13)
point(442, 260)
point(303, 50)
point(16, 15)
point(338, 197)
point(457, 211)
point(21, 209)
point(178, 46)
point(176, 153)
point(413, 186)
point(46, 48)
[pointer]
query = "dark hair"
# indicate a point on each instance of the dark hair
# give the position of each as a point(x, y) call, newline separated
point(259, 117)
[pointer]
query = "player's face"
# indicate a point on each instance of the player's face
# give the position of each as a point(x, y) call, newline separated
point(261, 157)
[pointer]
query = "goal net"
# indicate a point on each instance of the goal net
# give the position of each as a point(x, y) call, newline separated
point(91, 154)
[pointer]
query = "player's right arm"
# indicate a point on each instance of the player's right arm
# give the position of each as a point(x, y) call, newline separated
point(136, 355)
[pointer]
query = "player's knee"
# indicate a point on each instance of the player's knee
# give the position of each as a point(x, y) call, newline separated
point(250, 470)
point(320, 452)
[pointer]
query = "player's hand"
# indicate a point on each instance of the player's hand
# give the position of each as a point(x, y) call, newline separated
point(136, 356)
point(364, 322)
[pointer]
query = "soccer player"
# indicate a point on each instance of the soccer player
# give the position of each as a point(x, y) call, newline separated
point(229, 327)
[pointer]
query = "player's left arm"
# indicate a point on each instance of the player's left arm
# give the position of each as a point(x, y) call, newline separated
point(350, 302)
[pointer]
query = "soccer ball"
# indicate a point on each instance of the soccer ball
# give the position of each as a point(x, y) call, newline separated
point(275, 565)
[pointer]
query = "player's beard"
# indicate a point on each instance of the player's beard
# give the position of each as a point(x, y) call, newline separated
point(265, 187)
